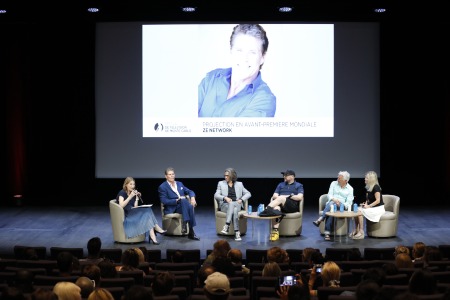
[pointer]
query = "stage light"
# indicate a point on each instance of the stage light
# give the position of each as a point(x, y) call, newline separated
point(3, 11)
point(379, 10)
point(93, 9)
point(188, 9)
point(285, 9)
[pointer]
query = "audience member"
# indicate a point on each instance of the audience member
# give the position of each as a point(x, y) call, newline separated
point(422, 282)
point(367, 290)
point(307, 254)
point(203, 273)
point(94, 246)
point(163, 283)
point(220, 248)
point(277, 254)
point(235, 256)
point(224, 265)
point(432, 253)
point(30, 253)
point(65, 261)
point(418, 251)
point(271, 269)
point(130, 261)
point(107, 269)
point(390, 268)
point(178, 257)
point(43, 294)
point(86, 285)
point(67, 291)
point(401, 249)
point(100, 294)
point(24, 280)
point(142, 265)
point(331, 274)
point(217, 286)
point(138, 292)
point(403, 260)
point(93, 272)
point(12, 293)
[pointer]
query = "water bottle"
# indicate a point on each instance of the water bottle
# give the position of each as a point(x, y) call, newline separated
point(331, 208)
point(250, 209)
point(335, 207)
point(349, 207)
point(341, 207)
point(355, 207)
point(260, 208)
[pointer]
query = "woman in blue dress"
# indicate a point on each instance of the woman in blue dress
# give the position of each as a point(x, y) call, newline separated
point(137, 221)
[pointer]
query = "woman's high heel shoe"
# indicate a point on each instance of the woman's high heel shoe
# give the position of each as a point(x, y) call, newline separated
point(154, 242)
point(159, 230)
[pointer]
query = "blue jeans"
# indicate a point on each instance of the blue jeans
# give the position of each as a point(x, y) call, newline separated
point(328, 220)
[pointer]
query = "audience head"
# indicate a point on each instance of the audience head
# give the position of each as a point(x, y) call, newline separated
point(94, 246)
point(367, 290)
point(271, 269)
point(43, 294)
point(100, 294)
point(422, 282)
point(235, 255)
point(203, 273)
point(217, 286)
point(30, 254)
point(24, 280)
point(401, 249)
point(141, 256)
point(298, 292)
point(331, 274)
point(432, 253)
point(138, 292)
point(12, 293)
point(130, 259)
point(307, 254)
point(178, 257)
point(221, 248)
point(316, 258)
point(163, 283)
point(355, 254)
point(418, 250)
point(92, 271)
point(107, 269)
point(65, 261)
point(224, 265)
point(86, 285)
point(390, 268)
point(67, 291)
point(278, 255)
point(374, 274)
point(403, 260)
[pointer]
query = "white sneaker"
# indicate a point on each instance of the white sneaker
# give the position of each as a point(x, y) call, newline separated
point(238, 236)
point(225, 229)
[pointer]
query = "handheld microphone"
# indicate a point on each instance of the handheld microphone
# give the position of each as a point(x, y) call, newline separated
point(139, 198)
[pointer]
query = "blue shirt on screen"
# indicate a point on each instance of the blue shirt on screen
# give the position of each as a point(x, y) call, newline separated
point(255, 100)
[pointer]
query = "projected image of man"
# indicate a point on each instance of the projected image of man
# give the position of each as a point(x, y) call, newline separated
point(239, 91)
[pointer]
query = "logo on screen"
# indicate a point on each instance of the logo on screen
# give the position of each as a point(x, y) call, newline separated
point(159, 127)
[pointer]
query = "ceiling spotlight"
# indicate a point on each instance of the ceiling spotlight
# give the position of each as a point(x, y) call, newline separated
point(285, 9)
point(188, 9)
point(93, 9)
point(379, 10)
point(2, 11)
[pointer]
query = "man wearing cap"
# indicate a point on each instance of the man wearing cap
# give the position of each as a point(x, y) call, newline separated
point(286, 198)
point(217, 286)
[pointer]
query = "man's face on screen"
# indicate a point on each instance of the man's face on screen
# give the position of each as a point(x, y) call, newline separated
point(246, 57)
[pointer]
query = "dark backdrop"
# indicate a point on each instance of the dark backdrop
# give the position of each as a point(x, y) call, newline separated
point(47, 87)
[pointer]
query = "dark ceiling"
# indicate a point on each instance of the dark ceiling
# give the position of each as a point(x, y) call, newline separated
point(213, 11)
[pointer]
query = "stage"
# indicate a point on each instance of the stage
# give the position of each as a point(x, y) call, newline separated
point(74, 226)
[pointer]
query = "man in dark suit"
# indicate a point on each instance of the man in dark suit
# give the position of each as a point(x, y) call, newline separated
point(178, 199)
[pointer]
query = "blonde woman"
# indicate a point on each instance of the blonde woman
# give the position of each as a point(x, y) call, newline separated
point(331, 274)
point(137, 221)
point(67, 291)
point(372, 209)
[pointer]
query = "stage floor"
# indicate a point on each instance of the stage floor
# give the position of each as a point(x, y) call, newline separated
point(74, 226)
